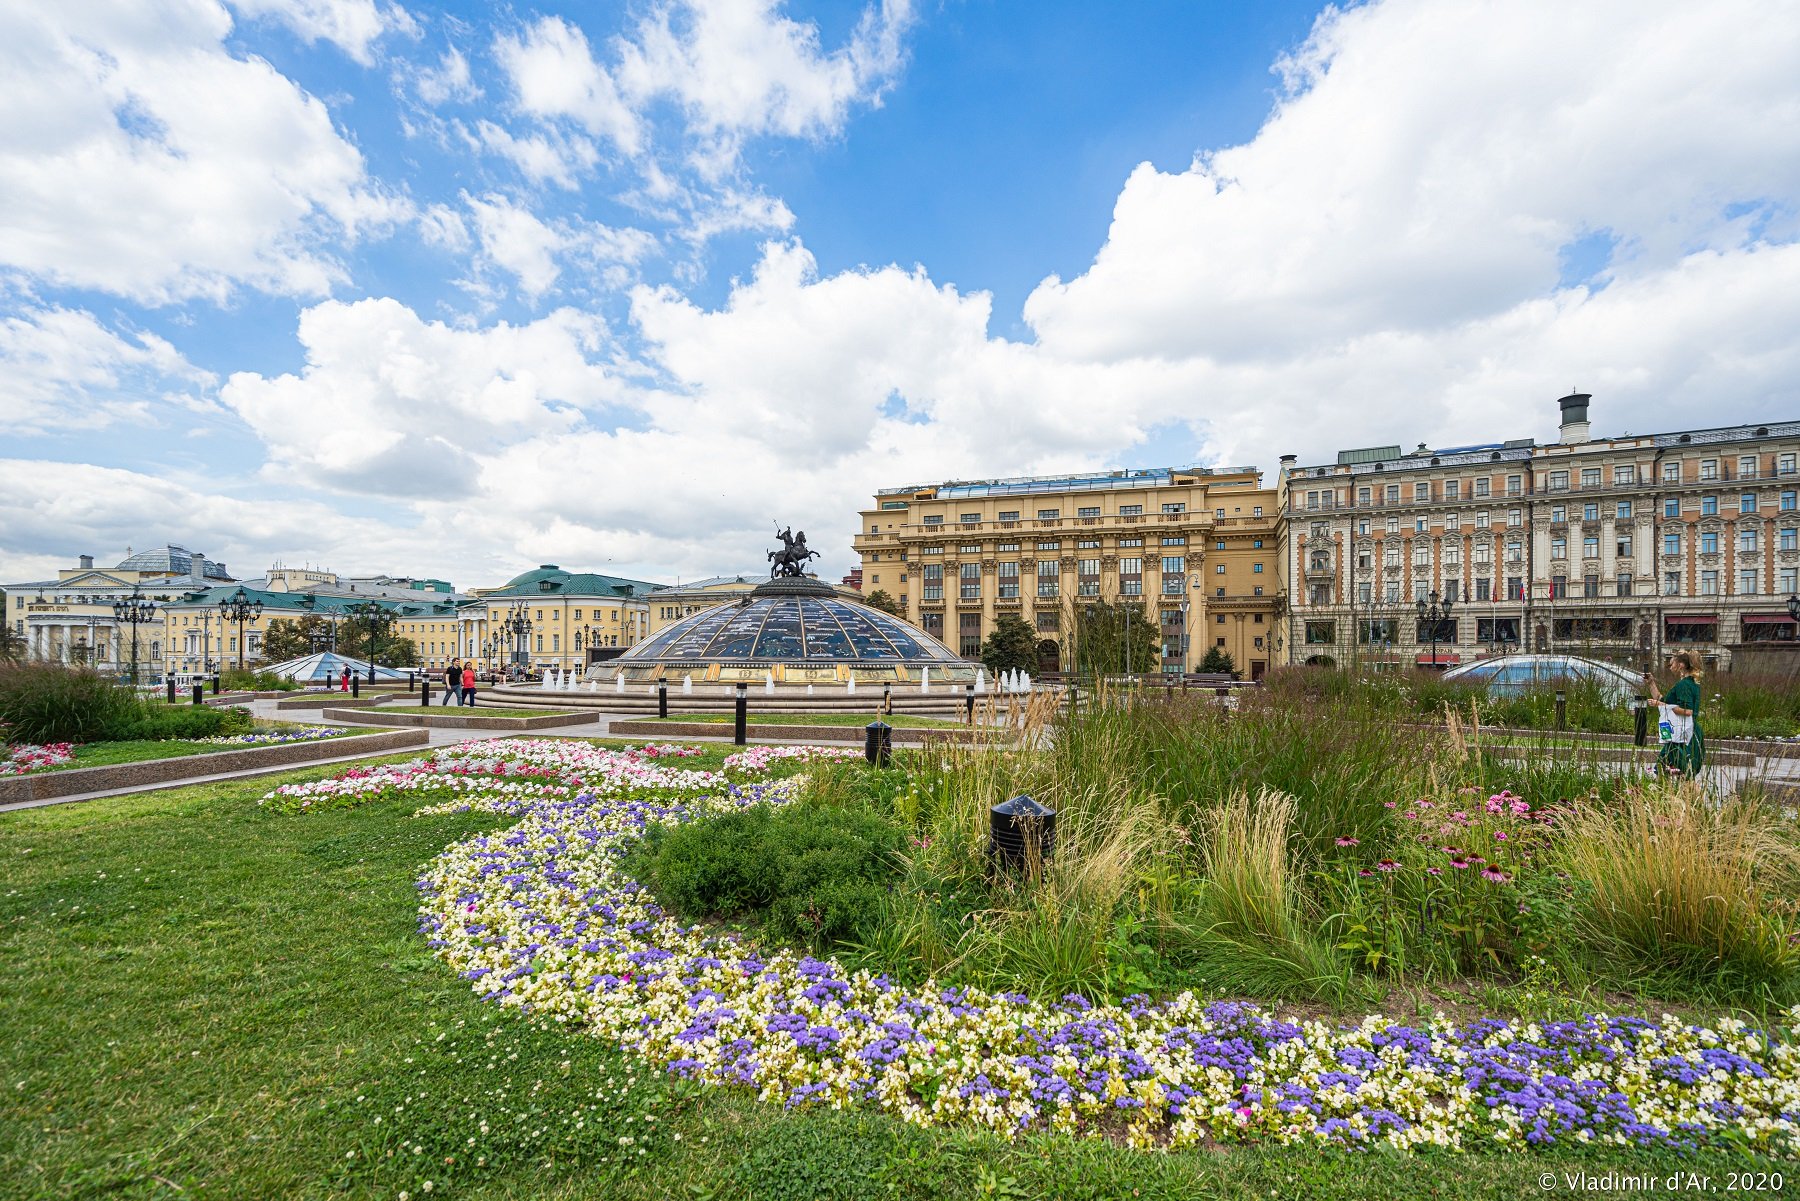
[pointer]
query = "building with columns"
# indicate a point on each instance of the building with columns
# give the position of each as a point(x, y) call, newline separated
point(1196, 547)
point(71, 619)
point(1617, 547)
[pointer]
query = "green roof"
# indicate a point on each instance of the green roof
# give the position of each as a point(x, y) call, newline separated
point(306, 602)
point(551, 580)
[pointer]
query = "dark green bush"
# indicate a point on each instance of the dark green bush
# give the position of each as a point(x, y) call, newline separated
point(813, 874)
point(248, 680)
point(183, 721)
point(46, 702)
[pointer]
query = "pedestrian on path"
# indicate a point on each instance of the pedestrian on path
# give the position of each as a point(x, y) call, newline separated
point(468, 686)
point(345, 685)
point(452, 683)
point(1683, 700)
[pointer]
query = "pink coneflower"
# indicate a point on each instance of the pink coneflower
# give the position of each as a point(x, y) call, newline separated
point(1364, 872)
point(1387, 865)
point(1434, 871)
point(1347, 841)
point(1493, 873)
point(1459, 862)
point(1499, 835)
point(1452, 850)
point(1388, 804)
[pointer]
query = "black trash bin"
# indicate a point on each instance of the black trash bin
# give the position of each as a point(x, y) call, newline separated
point(1021, 834)
point(878, 743)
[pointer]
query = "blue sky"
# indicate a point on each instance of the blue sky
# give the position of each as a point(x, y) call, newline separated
point(454, 289)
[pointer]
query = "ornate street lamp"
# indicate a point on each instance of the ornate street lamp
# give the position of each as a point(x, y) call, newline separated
point(1432, 616)
point(381, 619)
point(239, 607)
point(134, 610)
point(518, 629)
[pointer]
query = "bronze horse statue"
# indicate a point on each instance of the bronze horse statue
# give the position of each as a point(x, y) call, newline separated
point(791, 559)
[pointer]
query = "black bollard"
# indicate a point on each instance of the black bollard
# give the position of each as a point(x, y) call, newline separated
point(355, 685)
point(887, 699)
point(171, 684)
point(662, 698)
point(1640, 722)
point(199, 694)
point(741, 728)
point(1562, 709)
point(1021, 835)
point(969, 703)
point(425, 694)
point(215, 683)
point(878, 743)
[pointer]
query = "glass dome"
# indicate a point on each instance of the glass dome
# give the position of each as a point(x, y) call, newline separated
point(796, 631)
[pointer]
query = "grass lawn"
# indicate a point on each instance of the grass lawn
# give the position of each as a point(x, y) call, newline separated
point(105, 754)
point(815, 719)
point(468, 711)
point(264, 1021)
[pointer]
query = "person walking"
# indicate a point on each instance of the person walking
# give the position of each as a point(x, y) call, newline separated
point(1683, 699)
point(468, 685)
point(344, 685)
point(452, 683)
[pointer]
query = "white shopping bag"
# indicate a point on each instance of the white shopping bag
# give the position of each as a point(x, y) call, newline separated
point(1675, 727)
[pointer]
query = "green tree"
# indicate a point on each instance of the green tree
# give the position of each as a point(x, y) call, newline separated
point(1112, 639)
point(1011, 647)
point(1218, 661)
point(285, 639)
point(879, 599)
point(399, 652)
point(12, 645)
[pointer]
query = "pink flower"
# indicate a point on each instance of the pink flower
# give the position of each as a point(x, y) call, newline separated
point(1387, 804)
point(1387, 865)
point(1434, 871)
point(1347, 841)
point(1364, 872)
point(1459, 862)
point(1499, 835)
point(1495, 874)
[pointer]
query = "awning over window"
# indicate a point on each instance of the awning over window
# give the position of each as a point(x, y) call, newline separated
point(1444, 659)
point(1762, 619)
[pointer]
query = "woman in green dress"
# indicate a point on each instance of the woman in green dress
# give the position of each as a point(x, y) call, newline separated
point(1684, 697)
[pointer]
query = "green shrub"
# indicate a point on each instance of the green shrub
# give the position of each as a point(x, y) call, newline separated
point(814, 875)
point(250, 680)
point(156, 722)
point(46, 702)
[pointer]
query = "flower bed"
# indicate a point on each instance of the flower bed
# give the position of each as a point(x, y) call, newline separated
point(31, 757)
point(275, 737)
point(539, 917)
point(759, 759)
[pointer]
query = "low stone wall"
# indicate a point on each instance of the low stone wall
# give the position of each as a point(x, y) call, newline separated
point(450, 719)
point(40, 786)
point(914, 735)
point(1627, 753)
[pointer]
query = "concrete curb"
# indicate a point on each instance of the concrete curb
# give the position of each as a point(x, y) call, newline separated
point(40, 786)
point(454, 721)
point(916, 735)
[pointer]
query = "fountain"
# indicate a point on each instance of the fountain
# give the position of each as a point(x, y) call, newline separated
point(981, 681)
point(850, 686)
point(809, 690)
point(620, 688)
point(687, 685)
point(769, 683)
point(925, 679)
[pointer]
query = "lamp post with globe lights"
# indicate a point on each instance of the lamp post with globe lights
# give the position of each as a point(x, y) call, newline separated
point(240, 607)
point(134, 611)
point(380, 619)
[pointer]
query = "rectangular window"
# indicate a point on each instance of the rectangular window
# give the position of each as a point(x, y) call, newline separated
point(1671, 583)
point(1131, 576)
point(1746, 467)
point(1087, 544)
point(1624, 475)
point(1789, 538)
point(968, 633)
point(1088, 511)
point(969, 518)
point(1048, 514)
point(1483, 520)
point(1009, 515)
point(968, 548)
point(1131, 510)
point(1672, 472)
point(540, 642)
point(1009, 581)
point(1175, 540)
point(934, 519)
point(1559, 515)
point(970, 581)
point(1422, 490)
point(1420, 525)
point(1559, 586)
point(1625, 583)
point(1747, 582)
point(1709, 469)
point(1709, 583)
point(934, 581)
point(1515, 517)
point(1048, 622)
point(1321, 633)
point(1590, 546)
point(1590, 586)
point(1452, 489)
point(1709, 506)
point(1087, 577)
point(1421, 553)
point(1671, 543)
point(1007, 548)
point(1672, 507)
point(1129, 542)
point(1453, 521)
point(1256, 569)
point(1481, 486)
point(934, 624)
point(1044, 546)
point(1256, 511)
point(1559, 547)
point(1709, 542)
point(1590, 477)
point(1623, 511)
point(1393, 525)
point(1363, 592)
point(1747, 503)
point(1047, 570)
point(1380, 632)
point(1788, 501)
point(1174, 506)
point(1559, 481)
point(1789, 578)
point(1515, 587)
point(1747, 540)
point(1590, 512)
point(1515, 485)
point(1496, 629)
point(1623, 547)
point(1393, 494)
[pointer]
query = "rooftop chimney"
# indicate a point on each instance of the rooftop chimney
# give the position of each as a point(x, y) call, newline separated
point(1574, 429)
point(87, 562)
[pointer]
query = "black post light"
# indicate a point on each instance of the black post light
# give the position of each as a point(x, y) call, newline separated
point(1432, 616)
point(740, 729)
point(1021, 835)
point(517, 627)
point(381, 619)
point(1794, 607)
point(239, 607)
point(134, 610)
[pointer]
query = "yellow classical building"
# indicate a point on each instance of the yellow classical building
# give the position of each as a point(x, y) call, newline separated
point(1195, 547)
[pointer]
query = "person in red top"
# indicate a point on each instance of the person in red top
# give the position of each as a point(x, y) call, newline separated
point(468, 685)
point(345, 686)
